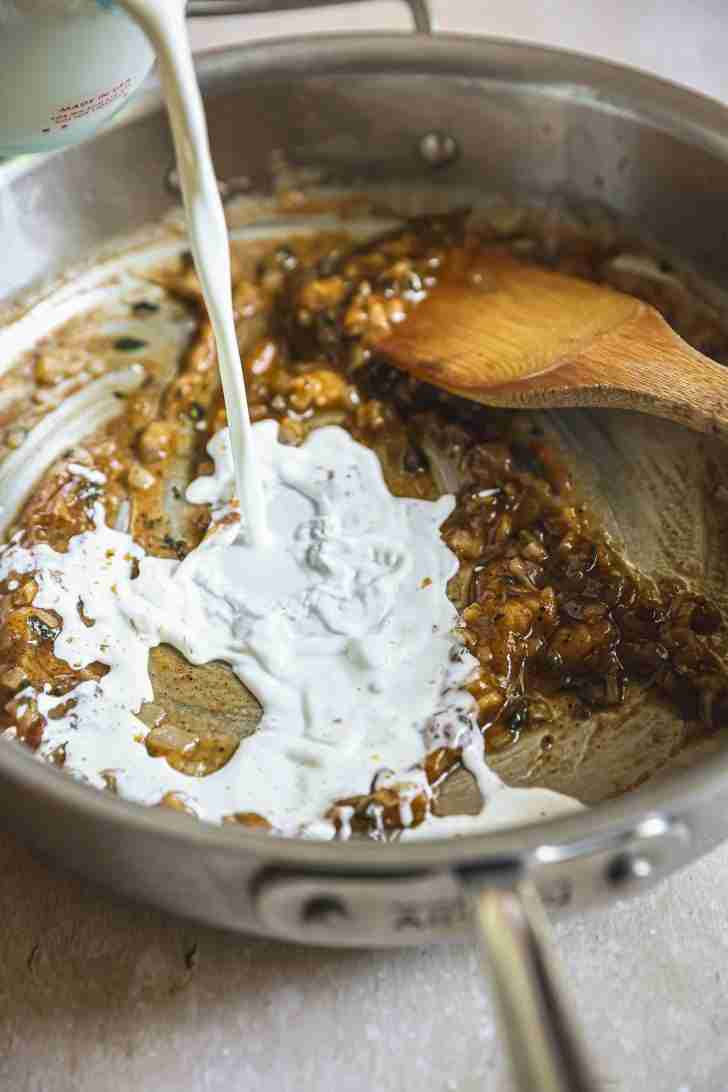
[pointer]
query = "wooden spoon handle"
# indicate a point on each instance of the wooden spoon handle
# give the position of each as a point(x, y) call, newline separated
point(642, 365)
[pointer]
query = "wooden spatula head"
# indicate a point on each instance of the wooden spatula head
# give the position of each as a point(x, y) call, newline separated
point(493, 320)
point(506, 333)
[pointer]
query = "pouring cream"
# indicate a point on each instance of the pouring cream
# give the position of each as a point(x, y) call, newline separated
point(343, 631)
point(164, 23)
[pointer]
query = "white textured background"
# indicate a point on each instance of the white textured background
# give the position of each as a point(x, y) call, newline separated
point(100, 996)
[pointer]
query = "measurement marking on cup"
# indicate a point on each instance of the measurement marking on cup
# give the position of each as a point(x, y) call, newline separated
point(74, 111)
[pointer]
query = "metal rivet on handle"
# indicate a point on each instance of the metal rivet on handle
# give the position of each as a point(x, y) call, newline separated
point(323, 910)
point(628, 868)
point(438, 149)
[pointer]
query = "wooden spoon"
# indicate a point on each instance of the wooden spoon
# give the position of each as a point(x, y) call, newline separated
point(505, 333)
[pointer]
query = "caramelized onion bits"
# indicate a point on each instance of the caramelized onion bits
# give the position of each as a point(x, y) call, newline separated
point(250, 820)
point(196, 755)
point(548, 607)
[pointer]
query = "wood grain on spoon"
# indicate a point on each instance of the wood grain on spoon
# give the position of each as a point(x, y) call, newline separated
point(506, 333)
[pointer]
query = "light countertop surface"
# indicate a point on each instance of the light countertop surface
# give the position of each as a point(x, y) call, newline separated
point(97, 995)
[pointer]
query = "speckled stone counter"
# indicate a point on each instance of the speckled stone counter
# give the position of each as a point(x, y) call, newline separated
point(98, 995)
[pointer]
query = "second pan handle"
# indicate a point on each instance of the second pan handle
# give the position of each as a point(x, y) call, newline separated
point(513, 937)
point(418, 8)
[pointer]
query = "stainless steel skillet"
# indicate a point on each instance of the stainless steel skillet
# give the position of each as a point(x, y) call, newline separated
point(538, 126)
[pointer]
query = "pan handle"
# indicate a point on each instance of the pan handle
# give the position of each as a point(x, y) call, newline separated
point(418, 8)
point(515, 946)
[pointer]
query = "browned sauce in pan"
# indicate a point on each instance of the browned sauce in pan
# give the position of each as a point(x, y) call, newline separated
point(562, 626)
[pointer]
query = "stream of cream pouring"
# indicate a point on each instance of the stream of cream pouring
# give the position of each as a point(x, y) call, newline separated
point(335, 616)
point(164, 23)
